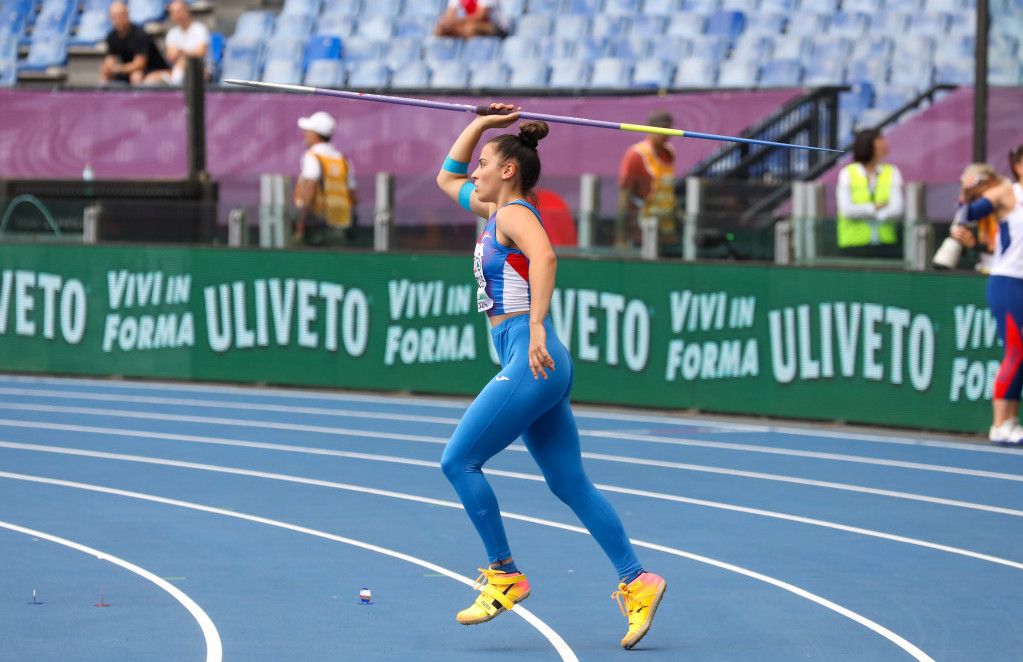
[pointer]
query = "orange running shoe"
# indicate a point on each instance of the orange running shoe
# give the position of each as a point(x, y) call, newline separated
point(638, 600)
point(499, 591)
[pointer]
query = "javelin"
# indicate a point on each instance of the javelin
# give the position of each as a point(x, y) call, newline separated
point(486, 110)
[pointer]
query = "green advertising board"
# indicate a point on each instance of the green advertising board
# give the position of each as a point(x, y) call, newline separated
point(893, 348)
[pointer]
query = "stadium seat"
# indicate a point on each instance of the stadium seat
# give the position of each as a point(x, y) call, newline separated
point(727, 24)
point(944, 5)
point(303, 7)
point(871, 71)
point(858, 98)
point(55, 18)
point(294, 25)
point(46, 51)
point(652, 72)
point(283, 72)
point(1005, 73)
point(955, 72)
point(849, 24)
point(415, 27)
point(696, 72)
point(793, 47)
point(92, 29)
point(889, 22)
point(560, 47)
point(916, 73)
point(254, 25)
point(431, 9)
point(907, 6)
point(891, 98)
point(738, 73)
point(824, 71)
point(8, 46)
point(783, 6)
point(819, 6)
point(782, 73)
point(481, 49)
point(215, 54)
point(709, 46)
point(369, 74)
point(828, 47)
point(527, 74)
point(358, 49)
point(346, 8)
point(569, 73)
point(913, 48)
point(377, 28)
point(587, 48)
point(449, 75)
point(863, 6)
point(771, 24)
point(412, 75)
point(8, 72)
point(648, 26)
point(871, 118)
point(628, 48)
point(323, 47)
point(13, 19)
point(535, 26)
point(705, 7)
point(755, 47)
point(963, 22)
point(747, 7)
point(671, 49)
point(442, 49)
point(807, 23)
point(284, 48)
point(388, 8)
point(611, 73)
point(518, 47)
point(325, 73)
point(662, 7)
point(550, 7)
point(402, 52)
point(335, 25)
point(145, 11)
point(873, 47)
point(572, 26)
point(606, 26)
point(622, 7)
point(932, 24)
point(584, 7)
point(242, 59)
point(956, 48)
point(491, 74)
point(686, 25)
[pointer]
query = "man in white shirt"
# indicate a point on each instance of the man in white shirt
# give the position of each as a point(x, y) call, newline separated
point(186, 39)
point(472, 18)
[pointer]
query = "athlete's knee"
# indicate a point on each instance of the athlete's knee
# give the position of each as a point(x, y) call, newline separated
point(568, 486)
point(455, 463)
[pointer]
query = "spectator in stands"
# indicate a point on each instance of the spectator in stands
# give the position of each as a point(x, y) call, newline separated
point(472, 18)
point(132, 57)
point(186, 39)
point(325, 194)
point(870, 200)
point(646, 187)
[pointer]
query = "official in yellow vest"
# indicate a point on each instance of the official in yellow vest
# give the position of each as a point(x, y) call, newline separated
point(646, 186)
point(325, 192)
point(870, 195)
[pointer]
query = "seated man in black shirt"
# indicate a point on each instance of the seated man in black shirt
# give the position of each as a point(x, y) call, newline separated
point(132, 57)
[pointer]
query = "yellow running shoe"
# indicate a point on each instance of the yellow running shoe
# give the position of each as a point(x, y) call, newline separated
point(499, 591)
point(638, 600)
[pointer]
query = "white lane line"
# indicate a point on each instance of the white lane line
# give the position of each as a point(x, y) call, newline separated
point(214, 649)
point(313, 450)
point(791, 588)
point(323, 429)
point(582, 411)
point(508, 474)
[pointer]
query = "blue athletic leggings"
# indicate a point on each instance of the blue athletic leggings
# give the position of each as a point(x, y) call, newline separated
point(514, 404)
point(1005, 298)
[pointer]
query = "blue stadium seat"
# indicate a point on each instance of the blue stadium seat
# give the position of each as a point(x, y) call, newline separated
point(782, 73)
point(377, 28)
point(54, 19)
point(871, 118)
point(622, 7)
point(891, 98)
point(662, 7)
point(323, 47)
point(535, 25)
point(696, 72)
point(858, 98)
point(768, 23)
point(944, 5)
point(913, 48)
point(1005, 73)
point(956, 48)
point(519, 47)
point(92, 29)
point(335, 25)
point(13, 20)
point(215, 54)
point(145, 11)
point(932, 24)
point(442, 49)
point(284, 48)
point(8, 46)
point(889, 22)
point(294, 25)
point(907, 6)
point(550, 7)
point(431, 9)
point(686, 25)
point(46, 51)
point(389, 8)
point(824, 71)
point(873, 47)
point(819, 6)
point(282, 72)
point(963, 22)
point(569, 73)
point(954, 72)
point(916, 73)
point(783, 6)
point(705, 7)
point(871, 71)
point(513, 7)
point(849, 24)
point(863, 6)
point(527, 74)
point(242, 59)
point(828, 47)
point(738, 73)
point(412, 75)
point(584, 7)
point(709, 46)
point(491, 74)
point(653, 72)
point(747, 7)
point(793, 47)
point(402, 52)
point(480, 49)
point(671, 49)
point(325, 73)
point(369, 74)
point(756, 47)
point(727, 24)
point(254, 25)
point(8, 72)
point(358, 49)
point(572, 26)
point(559, 47)
point(611, 73)
point(449, 75)
point(346, 8)
point(304, 7)
point(807, 23)
point(607, 26)
point(648, 26)
point(587, 48)
point(629, 48)
point(416, 27)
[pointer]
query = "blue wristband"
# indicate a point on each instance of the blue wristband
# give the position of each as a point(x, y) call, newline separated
point(979, 208)
point(465, 195)
point(455, 167)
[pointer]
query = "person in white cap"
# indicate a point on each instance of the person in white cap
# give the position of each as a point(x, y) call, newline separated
point(325, 193)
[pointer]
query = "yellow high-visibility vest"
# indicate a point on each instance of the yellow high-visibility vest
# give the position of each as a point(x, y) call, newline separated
point(855, 232)
point(660, 203)
point(333, 197)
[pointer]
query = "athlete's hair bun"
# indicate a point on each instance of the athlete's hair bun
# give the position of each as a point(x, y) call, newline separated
point(531, 133)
